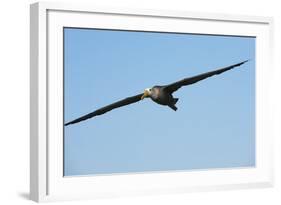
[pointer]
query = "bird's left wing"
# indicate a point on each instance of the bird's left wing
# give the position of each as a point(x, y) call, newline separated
point(107, 108)
point(187, 81)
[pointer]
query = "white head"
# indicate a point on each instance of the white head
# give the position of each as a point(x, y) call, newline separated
point(146, 93)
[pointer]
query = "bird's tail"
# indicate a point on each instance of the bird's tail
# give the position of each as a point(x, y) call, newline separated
point(175, 100)
point(173, 107)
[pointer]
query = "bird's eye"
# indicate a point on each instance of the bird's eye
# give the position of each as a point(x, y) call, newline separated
point(150, 89)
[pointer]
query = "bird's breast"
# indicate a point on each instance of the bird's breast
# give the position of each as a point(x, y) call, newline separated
point(161, 97)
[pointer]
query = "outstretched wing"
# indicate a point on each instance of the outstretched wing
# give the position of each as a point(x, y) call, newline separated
point(107, 108)
point(187, 81)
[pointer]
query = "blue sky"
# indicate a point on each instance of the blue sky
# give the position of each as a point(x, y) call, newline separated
point(214, 126)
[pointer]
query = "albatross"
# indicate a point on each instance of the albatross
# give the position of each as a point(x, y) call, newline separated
point(162, 95)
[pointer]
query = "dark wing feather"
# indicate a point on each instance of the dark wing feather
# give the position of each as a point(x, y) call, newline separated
point(187, 81)
point(107, 108)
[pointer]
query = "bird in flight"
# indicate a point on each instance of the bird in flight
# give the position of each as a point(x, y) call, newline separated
point(162, 95)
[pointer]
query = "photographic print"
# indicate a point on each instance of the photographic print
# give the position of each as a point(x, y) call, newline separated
point(140, 101)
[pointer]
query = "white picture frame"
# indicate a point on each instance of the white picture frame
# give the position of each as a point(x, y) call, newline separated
point(46, 179)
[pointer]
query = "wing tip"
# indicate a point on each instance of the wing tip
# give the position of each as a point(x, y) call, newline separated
point(245, 61)
point(241, 63)
point(69, 123)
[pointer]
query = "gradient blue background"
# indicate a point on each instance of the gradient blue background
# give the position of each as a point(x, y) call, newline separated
point(214, 126)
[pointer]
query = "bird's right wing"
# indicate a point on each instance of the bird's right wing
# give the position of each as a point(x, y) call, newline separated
point(107, 108)
point(191, 80)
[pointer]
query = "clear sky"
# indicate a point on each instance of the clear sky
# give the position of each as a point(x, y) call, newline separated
point(214, 126)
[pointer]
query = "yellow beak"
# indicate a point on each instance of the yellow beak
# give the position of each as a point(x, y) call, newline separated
point(145, 94)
